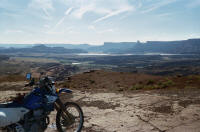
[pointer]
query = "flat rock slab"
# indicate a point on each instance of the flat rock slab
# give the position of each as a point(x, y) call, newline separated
point(136, 112)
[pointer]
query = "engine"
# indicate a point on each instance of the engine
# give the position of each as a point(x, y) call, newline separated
point(40, 121)
point(34, 121)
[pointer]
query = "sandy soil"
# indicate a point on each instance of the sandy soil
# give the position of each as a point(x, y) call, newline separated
point(146, 111)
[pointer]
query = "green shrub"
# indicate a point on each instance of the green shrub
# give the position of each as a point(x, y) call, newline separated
point(150, 82)
point(137, 87)
point(166, 83)
point(150, 87)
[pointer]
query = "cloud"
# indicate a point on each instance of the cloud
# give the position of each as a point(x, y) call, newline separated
point(107, 8)
point(164, 14)
point(69, 30)
point(46, 26)
point(54, 32)
point(193, 35)
point(67, 12)
point(46, 12)
point(114, 13)
point(91, 27)
point(78, 13)
point(105, 31)
point(42, 4)
point(156, 5)
point(13, 31)
point(60, 22)
point(45, 5)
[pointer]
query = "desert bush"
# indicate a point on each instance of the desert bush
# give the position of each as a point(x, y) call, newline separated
point(150, 82)
point(166, 83)
point(137, 87)
point(169, 82)
point(150, 87)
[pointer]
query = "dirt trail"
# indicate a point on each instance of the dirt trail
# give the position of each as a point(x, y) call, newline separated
point(136, 112)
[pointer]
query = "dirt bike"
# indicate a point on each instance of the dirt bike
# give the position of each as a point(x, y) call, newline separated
point(30, 113)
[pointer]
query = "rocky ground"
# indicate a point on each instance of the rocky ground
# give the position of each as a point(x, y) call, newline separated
point(125, 102)
point(147, 111)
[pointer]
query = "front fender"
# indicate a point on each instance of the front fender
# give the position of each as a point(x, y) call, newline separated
point(64, 90)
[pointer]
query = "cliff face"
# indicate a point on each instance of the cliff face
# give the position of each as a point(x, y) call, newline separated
point(178, 47)
point(191, 46)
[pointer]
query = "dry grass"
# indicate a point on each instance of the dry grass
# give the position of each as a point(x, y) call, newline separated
point(119, 81)
point(150, 85)
point(107, 80)
point(12, 78)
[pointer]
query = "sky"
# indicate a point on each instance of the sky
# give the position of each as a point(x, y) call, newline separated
point(97, 21)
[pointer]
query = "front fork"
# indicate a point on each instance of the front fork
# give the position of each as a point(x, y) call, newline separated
point(59, 105)
point(69, 118)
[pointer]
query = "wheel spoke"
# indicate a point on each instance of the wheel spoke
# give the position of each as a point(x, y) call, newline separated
point(76, 115)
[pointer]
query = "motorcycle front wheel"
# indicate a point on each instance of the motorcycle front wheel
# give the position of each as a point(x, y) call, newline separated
point(71, 123)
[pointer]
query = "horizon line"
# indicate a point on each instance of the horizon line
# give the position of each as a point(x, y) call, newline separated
point(99, 44)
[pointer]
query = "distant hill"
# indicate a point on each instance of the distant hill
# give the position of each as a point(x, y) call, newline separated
point(71, 46)
point(190, 46)
point(16, 45)
point(67, 46)
point(41, 49)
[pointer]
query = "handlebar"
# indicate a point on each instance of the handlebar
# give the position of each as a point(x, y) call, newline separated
point(44, 83)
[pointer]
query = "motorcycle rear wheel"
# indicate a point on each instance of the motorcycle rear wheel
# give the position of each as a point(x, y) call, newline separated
point(71, 125)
